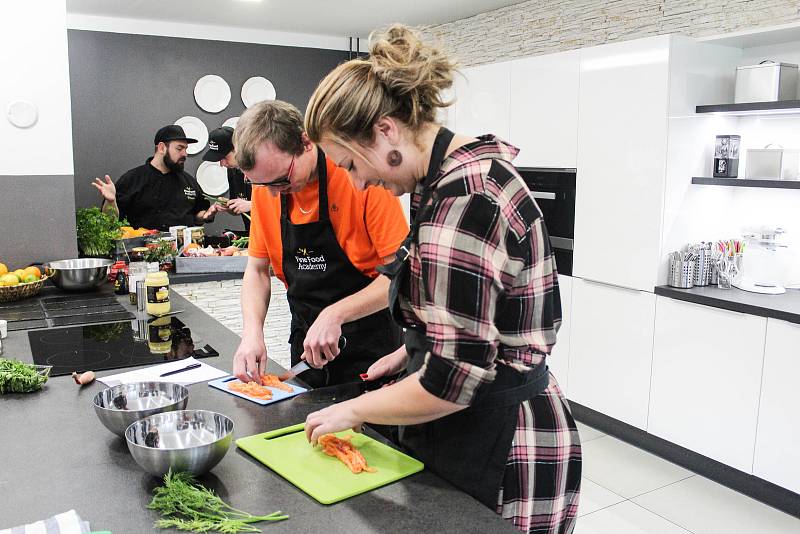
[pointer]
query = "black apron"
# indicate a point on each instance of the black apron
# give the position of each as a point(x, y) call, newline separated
point(469, 448)
point(318, 273)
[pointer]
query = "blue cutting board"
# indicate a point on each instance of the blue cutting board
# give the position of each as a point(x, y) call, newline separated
point(277, 394)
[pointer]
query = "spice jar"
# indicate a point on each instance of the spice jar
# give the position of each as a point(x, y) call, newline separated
point(157, 293)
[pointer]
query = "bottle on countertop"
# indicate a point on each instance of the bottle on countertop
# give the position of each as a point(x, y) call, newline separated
point(121, 282)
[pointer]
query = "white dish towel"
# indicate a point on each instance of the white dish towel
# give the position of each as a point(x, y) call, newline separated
point(66, 523)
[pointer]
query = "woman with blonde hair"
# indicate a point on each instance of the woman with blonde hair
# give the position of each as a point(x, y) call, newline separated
point(474, 284)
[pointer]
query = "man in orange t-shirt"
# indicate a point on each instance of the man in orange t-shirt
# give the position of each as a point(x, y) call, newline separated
point(323, 239)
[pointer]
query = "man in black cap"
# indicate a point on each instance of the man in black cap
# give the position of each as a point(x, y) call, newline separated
point(220, 149)
point(159, 194)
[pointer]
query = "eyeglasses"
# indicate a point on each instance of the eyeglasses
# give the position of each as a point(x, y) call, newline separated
point(283, 180)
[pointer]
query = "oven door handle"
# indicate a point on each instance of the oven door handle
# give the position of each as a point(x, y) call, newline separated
point(545, 195)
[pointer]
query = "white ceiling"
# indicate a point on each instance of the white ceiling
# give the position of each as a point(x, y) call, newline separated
point(344, 18)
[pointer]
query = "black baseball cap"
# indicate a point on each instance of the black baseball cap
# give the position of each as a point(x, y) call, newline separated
point(220, 143)
point(172, 132)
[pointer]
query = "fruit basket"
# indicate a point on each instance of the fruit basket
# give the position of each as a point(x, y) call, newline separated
point(21, 291)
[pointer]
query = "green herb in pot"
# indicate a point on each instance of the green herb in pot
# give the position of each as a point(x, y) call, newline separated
point(184, 504)
point(97, 231)
point(19, 377)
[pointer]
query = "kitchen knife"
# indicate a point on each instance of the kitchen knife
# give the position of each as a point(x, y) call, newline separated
point(303, 365)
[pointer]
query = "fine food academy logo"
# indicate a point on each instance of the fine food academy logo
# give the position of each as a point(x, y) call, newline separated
point(308, 260)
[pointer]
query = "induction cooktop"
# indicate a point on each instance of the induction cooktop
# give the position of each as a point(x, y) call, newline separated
point(95, 347)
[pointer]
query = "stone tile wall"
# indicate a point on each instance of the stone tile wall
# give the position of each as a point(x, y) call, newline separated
point(221, 300)
point(539, 27)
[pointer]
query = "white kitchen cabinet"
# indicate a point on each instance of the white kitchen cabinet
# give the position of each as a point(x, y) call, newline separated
point(611, 347)
point(544, 110)
point(706, 379)
point(777, 456)
point(622, 146)
point(482, 100)
point(558, 361)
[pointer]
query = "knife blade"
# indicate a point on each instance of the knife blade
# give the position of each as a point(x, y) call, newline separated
point(303, 365)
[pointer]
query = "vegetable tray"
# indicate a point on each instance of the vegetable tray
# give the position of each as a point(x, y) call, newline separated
point(325, 478)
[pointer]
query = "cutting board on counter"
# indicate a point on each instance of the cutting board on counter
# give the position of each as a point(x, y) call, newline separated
point(324, 477)
point(277, 394)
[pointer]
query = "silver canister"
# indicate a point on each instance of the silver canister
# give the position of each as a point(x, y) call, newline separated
point(141, 295)
point(681, 274)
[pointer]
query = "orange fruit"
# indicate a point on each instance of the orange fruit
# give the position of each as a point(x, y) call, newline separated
point(3, 269)
point(34, 271)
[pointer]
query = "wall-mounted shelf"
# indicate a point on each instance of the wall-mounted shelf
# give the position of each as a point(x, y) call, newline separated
point(738, 182)
point(781, 107)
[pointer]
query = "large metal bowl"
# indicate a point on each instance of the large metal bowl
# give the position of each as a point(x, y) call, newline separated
point(188, 440)
point(78, 274)
point(119, 406)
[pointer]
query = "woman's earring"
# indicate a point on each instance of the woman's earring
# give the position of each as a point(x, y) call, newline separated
point(395, 158)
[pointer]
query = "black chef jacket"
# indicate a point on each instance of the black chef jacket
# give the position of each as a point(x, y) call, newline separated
point(151, 199)
point(239, 187)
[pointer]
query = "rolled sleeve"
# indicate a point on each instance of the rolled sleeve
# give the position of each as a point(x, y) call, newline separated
point(463, 262)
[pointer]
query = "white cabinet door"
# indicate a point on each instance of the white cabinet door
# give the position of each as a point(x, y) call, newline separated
point(544, 110)
point(482, 100)
point(558, 361)
point(611, 347)
point(706, 380)
point(777, 456)
point(622, 136)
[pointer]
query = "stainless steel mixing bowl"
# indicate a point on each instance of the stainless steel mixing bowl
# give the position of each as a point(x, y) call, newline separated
point(188, 440)
point(78, 274)
point(119, 406)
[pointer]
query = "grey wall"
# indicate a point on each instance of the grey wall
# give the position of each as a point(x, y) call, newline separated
point(124, 87)
point(37, 219)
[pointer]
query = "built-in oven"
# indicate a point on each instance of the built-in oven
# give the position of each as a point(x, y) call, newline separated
point(554, 190)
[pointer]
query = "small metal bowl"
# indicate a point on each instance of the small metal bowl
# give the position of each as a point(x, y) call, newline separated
point(78, 274)
point(119, 406)
point(189, 440)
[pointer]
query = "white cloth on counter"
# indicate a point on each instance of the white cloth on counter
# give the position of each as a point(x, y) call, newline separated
point(204, 373)
point(66, 523)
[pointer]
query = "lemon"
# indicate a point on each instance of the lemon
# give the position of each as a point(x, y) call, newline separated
point(3, 269)
point(9, 280)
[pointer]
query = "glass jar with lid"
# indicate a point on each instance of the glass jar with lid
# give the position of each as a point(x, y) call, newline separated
point(157, 293)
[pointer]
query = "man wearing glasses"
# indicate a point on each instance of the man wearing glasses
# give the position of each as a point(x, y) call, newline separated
point(323, 239)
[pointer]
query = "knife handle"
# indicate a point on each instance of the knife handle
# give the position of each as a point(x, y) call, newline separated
point(299, 427)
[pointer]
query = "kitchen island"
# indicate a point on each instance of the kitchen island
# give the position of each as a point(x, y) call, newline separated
point(58, 456)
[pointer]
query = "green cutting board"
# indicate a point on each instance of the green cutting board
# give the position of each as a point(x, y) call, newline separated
point(287, 452)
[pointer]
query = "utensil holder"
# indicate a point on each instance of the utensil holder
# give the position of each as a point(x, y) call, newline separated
point(681, 274)
point(702, 270)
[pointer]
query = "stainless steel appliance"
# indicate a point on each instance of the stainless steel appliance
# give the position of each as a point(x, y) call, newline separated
point(554, 191)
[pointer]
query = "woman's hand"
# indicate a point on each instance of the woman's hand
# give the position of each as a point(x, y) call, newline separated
point(332, 419)
point(389, 365)
point(239, 206)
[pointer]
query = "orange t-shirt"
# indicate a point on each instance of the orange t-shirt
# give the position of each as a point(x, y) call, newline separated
point(369, 225)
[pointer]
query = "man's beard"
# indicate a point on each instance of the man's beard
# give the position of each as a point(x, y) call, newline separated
point(172, 164)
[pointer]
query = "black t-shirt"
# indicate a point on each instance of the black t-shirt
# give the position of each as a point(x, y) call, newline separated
point(239, 187)
point(151, 199)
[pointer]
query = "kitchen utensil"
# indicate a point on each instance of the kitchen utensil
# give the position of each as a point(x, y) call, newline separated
point(187, 368)
point(339, 393)
point(681, 272)
point(302, 366)
point(325, 478)
point(78, 274)
point(257, 89)
point(213, 178)
point(119, 406)
point(768, 81)
point(185, 440)
point(212, 93)
point(194, 129)
point(223, 384)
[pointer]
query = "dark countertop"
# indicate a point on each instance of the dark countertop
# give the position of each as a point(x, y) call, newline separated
point(785, 307)
point(191, 278)
point(58, 456)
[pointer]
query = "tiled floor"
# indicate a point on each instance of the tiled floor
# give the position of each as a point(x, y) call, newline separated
point(626, 490)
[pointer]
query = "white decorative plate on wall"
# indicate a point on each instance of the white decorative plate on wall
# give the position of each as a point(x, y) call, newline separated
point(213, 178)
point(212, 93)
point(231, 122)
point(22, 114)
point(257, 89)
point(195, 129)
